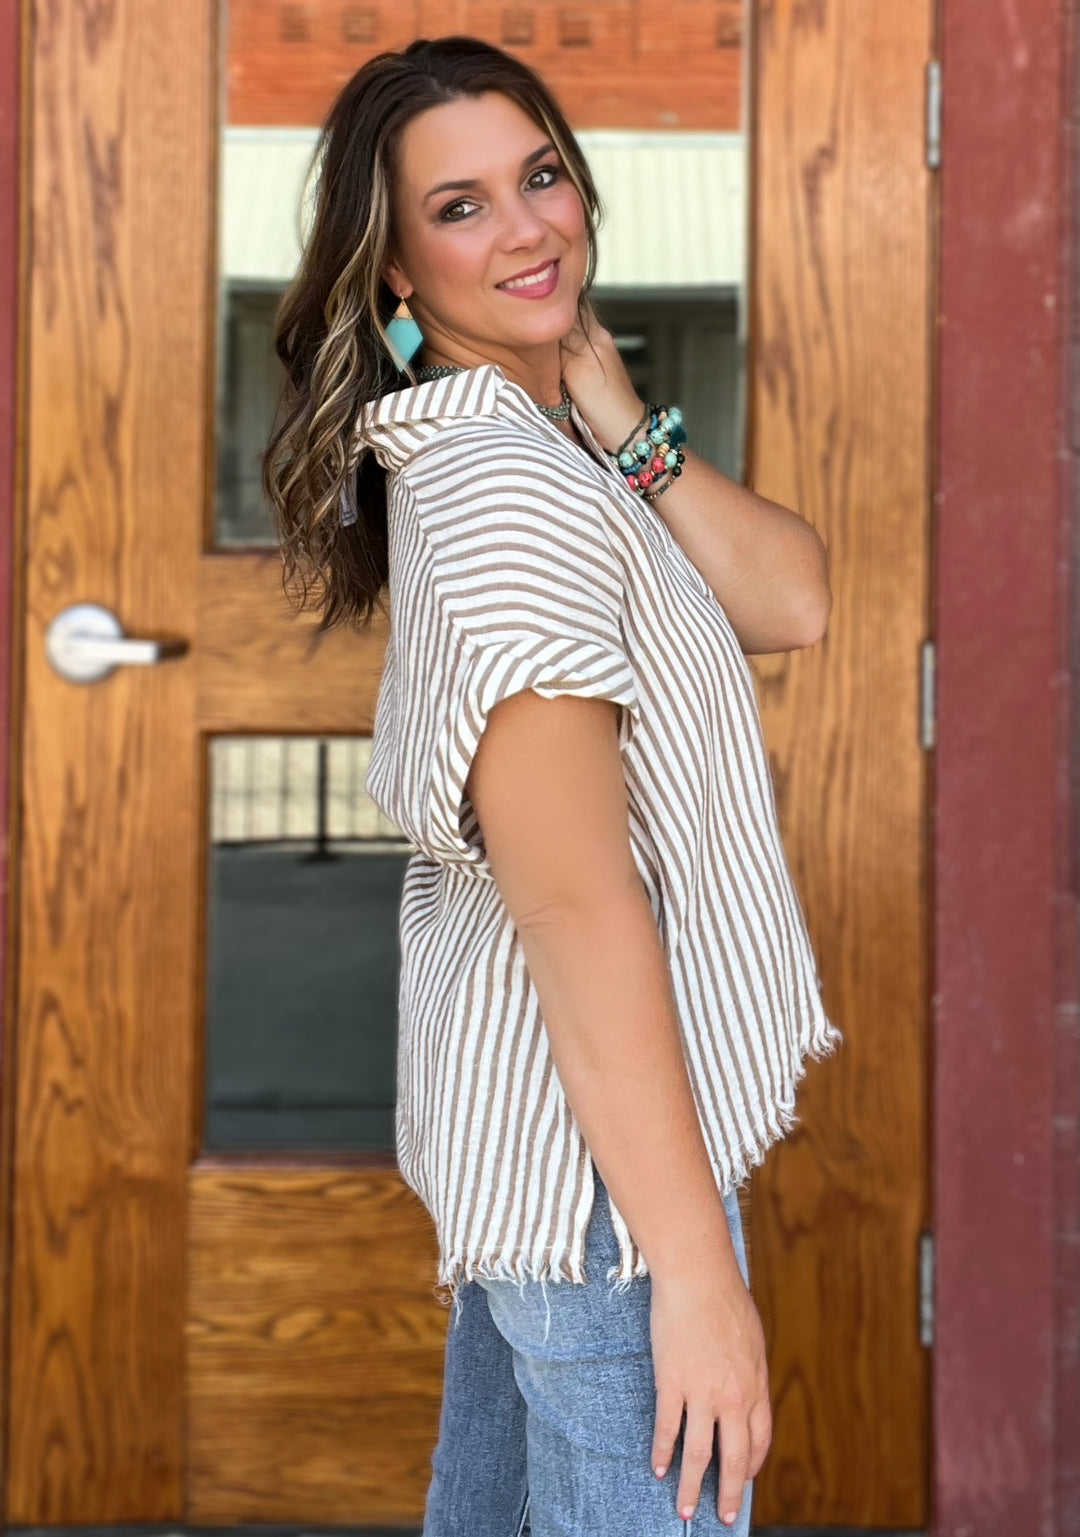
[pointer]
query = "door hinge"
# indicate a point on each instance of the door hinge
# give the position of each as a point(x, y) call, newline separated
point(933, 114)
point(927, 694)
point(926, 1289)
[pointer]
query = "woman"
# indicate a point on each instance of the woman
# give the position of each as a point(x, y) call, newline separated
point(607, 991)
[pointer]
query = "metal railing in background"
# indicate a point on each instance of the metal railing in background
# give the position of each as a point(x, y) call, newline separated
point(296, 790)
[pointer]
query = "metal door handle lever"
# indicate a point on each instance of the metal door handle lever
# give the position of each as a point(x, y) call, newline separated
point(85, 642)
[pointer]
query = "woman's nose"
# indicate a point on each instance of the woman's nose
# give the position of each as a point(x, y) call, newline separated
point(521, 225)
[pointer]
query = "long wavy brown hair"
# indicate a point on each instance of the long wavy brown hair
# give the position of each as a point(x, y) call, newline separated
point(330, 331)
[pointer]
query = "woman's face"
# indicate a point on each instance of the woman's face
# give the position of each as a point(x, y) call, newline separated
point(490, 234)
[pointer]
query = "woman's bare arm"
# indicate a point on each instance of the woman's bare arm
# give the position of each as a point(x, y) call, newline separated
point(765, 563)
point(548, 789)
point(549, 793)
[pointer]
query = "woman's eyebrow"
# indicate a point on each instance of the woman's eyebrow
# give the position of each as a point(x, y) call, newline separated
point(464, 186)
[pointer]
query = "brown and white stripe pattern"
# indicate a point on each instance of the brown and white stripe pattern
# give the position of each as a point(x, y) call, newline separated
point(519, 561)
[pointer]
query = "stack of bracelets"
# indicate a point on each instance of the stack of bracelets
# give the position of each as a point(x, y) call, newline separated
point(652, 455)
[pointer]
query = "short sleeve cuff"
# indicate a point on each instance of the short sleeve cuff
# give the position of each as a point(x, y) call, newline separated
point(490, 673)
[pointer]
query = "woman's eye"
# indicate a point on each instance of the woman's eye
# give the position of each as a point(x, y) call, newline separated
point(539, 180)
point(549, 173)
point(453, 213)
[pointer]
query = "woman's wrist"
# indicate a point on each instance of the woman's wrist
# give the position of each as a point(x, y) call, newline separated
point(614, 422)
point(651, 458)
point(701, 1245)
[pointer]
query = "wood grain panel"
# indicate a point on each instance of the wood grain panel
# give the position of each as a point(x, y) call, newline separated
point(123, 158)
point(262, 669)
point(840, 409)
point(12, 196)
point(315, 1346)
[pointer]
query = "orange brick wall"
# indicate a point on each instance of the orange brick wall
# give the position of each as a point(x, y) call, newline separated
point(613, 64)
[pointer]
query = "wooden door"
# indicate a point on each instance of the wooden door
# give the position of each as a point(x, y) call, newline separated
point(227, 1339)
point(222, 1340)
point(841, 421)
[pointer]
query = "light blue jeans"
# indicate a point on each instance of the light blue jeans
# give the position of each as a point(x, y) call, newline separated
point(548, 1408)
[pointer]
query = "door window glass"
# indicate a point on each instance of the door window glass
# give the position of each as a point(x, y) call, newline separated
point(305, 877)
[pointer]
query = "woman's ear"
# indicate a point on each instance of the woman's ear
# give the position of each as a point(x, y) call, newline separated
point(396, 280)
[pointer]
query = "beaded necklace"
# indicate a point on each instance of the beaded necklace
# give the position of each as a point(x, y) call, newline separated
point(430, 371)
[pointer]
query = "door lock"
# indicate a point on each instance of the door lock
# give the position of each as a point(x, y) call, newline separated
point(86, 642)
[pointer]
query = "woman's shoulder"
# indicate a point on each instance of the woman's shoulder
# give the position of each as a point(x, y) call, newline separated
point(494, 448)
point(492, 469)
point(497, 505)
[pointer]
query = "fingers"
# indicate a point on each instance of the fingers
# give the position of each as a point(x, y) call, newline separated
point(584, 333)
point(744, 1442)
point(669, 1408)
point(734, 1465)
point(760, 1436)
point(697, 1451)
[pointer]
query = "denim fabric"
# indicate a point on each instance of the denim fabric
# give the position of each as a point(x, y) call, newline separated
point(548, 1408)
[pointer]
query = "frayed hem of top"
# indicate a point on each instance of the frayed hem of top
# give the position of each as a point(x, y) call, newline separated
point(781, 1118)
point(454, 1274)
point(820, 1041)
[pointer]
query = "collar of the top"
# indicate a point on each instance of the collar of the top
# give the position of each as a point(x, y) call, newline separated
point(473, 392)
point(396, 425)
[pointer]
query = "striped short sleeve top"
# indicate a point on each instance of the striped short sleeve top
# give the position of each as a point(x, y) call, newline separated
point(520, 560)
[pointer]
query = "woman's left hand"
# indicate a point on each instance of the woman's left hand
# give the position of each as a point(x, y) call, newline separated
point(596, 377)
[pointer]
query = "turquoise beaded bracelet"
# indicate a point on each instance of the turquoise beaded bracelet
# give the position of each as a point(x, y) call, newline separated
point(657, 452)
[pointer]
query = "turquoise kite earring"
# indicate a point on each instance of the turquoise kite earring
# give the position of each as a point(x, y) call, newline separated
point(405, 336)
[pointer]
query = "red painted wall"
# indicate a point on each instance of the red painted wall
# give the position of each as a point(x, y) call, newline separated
point(1067, 1062)
point(1005, 917)
point(623, 64)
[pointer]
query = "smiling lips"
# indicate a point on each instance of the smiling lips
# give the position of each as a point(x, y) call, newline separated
point(536, 283)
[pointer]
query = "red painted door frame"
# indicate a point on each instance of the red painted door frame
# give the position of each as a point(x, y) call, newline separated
point(1006, 1406)
point(1006, 1154)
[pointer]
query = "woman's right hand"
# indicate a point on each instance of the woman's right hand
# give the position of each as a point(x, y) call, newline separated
point(708, 1351)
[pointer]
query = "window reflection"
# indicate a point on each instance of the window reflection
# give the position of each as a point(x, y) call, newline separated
point(305, 881)
point(669, 286)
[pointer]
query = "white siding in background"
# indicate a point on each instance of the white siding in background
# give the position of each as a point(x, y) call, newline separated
point(675, 206)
